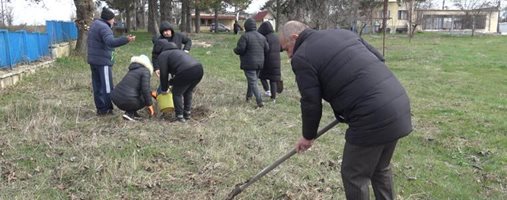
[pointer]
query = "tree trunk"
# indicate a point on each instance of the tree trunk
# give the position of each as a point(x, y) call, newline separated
point(183, 15)
point(216, 20)
point(140, 20)
point(188, 24)
point(152, 17)
point(134, 18)
point(410, 23)
point(127, 20)
point(197, 21)
point(277, 15)
point(384, 28)
point(3, 13)
point(412, 34)
point(363, 25)
point(473, 25)
point(84, 18)
point(166, 10)
point(353, 23)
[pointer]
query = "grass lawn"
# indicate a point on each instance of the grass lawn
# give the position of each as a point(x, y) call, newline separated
point(52, 146)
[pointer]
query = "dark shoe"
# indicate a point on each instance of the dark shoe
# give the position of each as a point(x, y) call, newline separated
point(279, 86)
point(248, 99)
point(260, 105)
point(104, 113)
point(180, 118)
point(136, 115)
point(128, 116)
point(186, 115)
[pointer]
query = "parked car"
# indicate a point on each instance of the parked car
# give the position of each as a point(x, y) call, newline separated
point(221, 28)
point(119, 28)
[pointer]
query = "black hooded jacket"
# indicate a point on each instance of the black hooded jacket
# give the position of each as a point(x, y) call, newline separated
point(180, 39)
point(176, 62)
point(133, 91)
point(271, 68)
point(251, 47)
point(337, 66)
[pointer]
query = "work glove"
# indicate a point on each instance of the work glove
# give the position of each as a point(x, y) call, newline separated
point(150, 110)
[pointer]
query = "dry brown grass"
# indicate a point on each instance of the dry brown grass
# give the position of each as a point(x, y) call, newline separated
point(52, 146)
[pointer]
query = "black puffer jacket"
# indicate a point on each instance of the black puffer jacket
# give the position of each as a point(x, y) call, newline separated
point(252, 47)
point(271, 68)
point(180, 39)
point(176, 62)
point(133, 91)
point(337, 66)
point(101, 43)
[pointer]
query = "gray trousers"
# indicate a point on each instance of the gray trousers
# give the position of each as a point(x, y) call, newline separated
point(252, 89)
point(362, 165)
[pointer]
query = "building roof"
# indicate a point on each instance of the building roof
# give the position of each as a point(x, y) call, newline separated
point(463, 10)
point(260, 15)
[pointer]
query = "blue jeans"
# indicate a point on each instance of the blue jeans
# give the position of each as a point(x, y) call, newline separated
point(102, 82)
point(252, 90)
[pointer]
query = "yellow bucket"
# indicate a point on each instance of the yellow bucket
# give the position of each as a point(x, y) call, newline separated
point(165, 102)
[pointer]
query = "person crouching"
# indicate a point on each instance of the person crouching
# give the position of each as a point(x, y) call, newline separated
point(186, 72)
point(133, 92)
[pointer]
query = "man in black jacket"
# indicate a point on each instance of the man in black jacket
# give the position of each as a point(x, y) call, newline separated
point(187, 73)
point(167, 32)
point(339, 67)
point(251, 48)
point(236, 27)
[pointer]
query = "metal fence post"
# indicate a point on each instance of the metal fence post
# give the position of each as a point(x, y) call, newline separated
point(24, 56)
point(7, 48)
point(39, 45)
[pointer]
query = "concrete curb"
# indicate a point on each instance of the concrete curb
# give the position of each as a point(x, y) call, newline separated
point(11, 77)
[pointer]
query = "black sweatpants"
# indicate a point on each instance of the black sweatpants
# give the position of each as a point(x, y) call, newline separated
point(102, 82)
point(183, 87)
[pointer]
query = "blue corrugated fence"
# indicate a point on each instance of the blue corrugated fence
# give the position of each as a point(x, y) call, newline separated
point(59, 31)
point(21, 46)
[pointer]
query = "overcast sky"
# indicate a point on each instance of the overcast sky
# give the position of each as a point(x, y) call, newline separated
point(32, 13)
point(255, 6)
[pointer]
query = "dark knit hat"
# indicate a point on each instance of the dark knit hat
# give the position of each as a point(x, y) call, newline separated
point(106, 14)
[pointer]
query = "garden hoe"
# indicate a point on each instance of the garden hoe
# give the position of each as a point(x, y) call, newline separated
point(242, 186)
